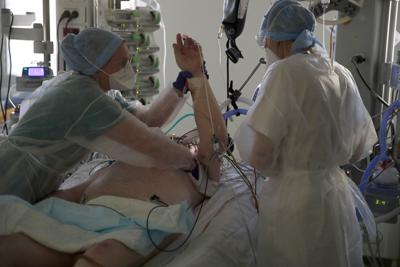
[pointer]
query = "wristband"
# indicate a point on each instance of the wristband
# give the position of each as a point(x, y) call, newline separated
point(181, 83)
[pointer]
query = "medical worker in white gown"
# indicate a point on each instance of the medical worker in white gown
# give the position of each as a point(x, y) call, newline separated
point(307, 120)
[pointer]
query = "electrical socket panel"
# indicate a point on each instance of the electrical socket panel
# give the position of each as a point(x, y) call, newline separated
point(83, 7)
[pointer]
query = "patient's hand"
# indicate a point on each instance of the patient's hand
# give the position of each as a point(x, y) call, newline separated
point(188, 55)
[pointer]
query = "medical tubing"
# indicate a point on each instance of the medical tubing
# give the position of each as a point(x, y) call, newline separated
point(236, 166)
point(227, 80)
point(367, 85)
point(219, 50)
point(372, 260)
point(251, 241)
point(378, 241)
point(10, 70)
point(206, 89)
point(382, 145)
point(234, 112)
point(194, 224)
point(3, 112)
point(179, 121)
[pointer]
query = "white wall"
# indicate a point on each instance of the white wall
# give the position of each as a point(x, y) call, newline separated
point(202, 20)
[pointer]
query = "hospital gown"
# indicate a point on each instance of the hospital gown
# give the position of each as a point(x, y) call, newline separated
point(41, 148)
point(315, 119)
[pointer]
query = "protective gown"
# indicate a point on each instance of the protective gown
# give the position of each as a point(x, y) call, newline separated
point(316, 121)
point(66, 119)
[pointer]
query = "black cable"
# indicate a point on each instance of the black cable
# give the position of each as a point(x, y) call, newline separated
point(236, 166)
point(64, 15)
point(9, 74)
point(74, 15)
point(227, 81)
point(194, 224)
point(367, 85)
point(3, 112)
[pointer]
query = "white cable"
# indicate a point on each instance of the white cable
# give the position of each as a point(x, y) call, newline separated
point(207, 97)
point(219, 45)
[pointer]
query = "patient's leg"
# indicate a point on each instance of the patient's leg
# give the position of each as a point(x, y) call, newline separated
point(18, 250)
point(111, 253)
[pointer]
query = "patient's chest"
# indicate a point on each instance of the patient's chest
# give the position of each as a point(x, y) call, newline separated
point(141, 183)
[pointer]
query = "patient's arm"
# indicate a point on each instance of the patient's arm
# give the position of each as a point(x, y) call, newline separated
point(210, 124)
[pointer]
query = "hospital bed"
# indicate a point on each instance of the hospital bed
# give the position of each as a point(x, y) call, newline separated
point(224, 234)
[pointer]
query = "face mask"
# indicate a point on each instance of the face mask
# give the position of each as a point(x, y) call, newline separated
point(270, 57)
point(124, 79)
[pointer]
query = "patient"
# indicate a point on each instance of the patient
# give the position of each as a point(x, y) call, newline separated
point(134, 182)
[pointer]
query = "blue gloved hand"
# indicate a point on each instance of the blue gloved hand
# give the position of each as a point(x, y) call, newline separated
point(180, 83)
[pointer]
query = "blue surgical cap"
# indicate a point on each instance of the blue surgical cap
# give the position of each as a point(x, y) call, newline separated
point(94, 45)
point(289, 20)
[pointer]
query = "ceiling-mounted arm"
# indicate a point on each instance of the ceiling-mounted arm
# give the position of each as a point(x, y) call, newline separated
point(347, 9)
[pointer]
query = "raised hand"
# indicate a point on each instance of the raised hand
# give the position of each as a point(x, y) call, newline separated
point(188, 55)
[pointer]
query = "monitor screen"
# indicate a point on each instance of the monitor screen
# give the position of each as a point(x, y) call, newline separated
point(36, 72)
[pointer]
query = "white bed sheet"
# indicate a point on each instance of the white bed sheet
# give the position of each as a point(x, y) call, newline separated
point(225, 232)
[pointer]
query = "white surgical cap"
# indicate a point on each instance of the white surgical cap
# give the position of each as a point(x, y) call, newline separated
point(92, 44)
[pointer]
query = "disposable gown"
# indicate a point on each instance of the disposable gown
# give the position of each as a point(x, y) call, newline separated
point(312, 114)
point(66, 118)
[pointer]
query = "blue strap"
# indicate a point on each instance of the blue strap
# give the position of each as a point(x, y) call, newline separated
point(180, 82)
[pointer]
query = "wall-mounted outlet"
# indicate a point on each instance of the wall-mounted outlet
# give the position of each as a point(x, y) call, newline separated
point(83, 10)
point(77, 18)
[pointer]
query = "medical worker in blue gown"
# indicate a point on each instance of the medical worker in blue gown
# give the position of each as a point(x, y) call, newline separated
point(307, 120)
point(71, 115)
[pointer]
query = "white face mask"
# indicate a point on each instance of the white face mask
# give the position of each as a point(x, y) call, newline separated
point(270, 57)
point(124, 79)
